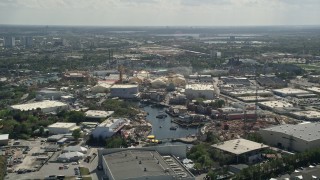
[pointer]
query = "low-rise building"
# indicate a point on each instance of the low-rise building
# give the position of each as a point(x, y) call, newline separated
point(62, 128)
point(45, 106)
point(143, 163)
point(4, 139)
point(298, 137)
point(95, 114)
point(307, 115)
point(284, 92)
point(125, 91)
point(242, 149)
point(108, 128)
point(206, 91)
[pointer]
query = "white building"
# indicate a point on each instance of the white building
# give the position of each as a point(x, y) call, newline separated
point(75, 149)
point(62, 128)
point(200, 91)
point(298, 137)
point(108, 128)
point(45, 106)
point(289, 92)
point(101, 87)
point(126, 91)
point(4, 139)
point(98, 114)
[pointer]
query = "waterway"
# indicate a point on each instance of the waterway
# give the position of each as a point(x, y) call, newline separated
point(164, 133)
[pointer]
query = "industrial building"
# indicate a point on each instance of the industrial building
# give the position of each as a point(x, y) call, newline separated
point(62, 128)
point(4, 139)
point(298, 137)
point(95, 114)
point(206, 91)
point(125, 91)
point(45, 106)
point(108, 128)
point(306, 115)
point(246, 92)
point(273, 82)
point(276, 106)
point(284, 92)
point(243, 150)
point(101, 87)
point(236, 81)
point(48, 94)
point(153, 163)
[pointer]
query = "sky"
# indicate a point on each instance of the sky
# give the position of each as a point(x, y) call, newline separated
point(160, 12)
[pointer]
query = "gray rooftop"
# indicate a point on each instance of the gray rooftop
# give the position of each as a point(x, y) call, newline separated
point(305, 131)
point(126, 164)
point(239, 146)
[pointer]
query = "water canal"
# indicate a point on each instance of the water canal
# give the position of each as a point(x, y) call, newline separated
point(164, 133)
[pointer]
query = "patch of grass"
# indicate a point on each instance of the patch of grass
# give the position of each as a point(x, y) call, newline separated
point(84, 171)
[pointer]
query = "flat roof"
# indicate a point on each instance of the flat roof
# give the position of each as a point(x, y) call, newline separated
point(124, 86)
point(109, 122)
point(308, 114)
point(62, 125)
point(126, 164)
point(98, 114)
point(290, 91)
point(276, 104)
point(35, 105)
point(314, 89)
point(200, 87)
point(239, 146)
point(4, 136)
point(306, 131)
point(253, 98)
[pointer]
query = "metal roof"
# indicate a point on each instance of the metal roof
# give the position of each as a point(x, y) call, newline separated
point(304, 131)
point(239, 146)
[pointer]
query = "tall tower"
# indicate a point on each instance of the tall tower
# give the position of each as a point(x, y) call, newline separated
point(9, 41)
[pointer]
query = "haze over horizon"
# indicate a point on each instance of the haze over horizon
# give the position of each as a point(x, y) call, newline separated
point(160, 12)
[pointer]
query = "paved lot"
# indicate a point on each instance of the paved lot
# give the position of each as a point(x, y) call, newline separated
point(52, 168)
point(46, 170)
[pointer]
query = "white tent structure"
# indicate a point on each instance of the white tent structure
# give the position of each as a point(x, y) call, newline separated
point(75, 149)
point(70, 156)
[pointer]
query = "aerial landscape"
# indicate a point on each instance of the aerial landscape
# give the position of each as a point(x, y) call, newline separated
point(159, 89)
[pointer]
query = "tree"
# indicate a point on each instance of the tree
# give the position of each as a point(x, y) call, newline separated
point(76, 134)
point(76, 116)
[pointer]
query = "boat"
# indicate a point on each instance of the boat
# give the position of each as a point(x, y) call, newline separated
point(161, 116)
point(173, 128)
point(160, 126)
point(151, 137)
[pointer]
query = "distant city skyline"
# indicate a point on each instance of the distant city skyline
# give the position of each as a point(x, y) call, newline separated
point(160, 12)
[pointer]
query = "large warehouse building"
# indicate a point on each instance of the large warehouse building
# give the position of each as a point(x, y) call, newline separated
point(298, 137)
point(153, 163)
point(62, 128)
point(200, 91)
point(125, 91)
point(45, 106)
